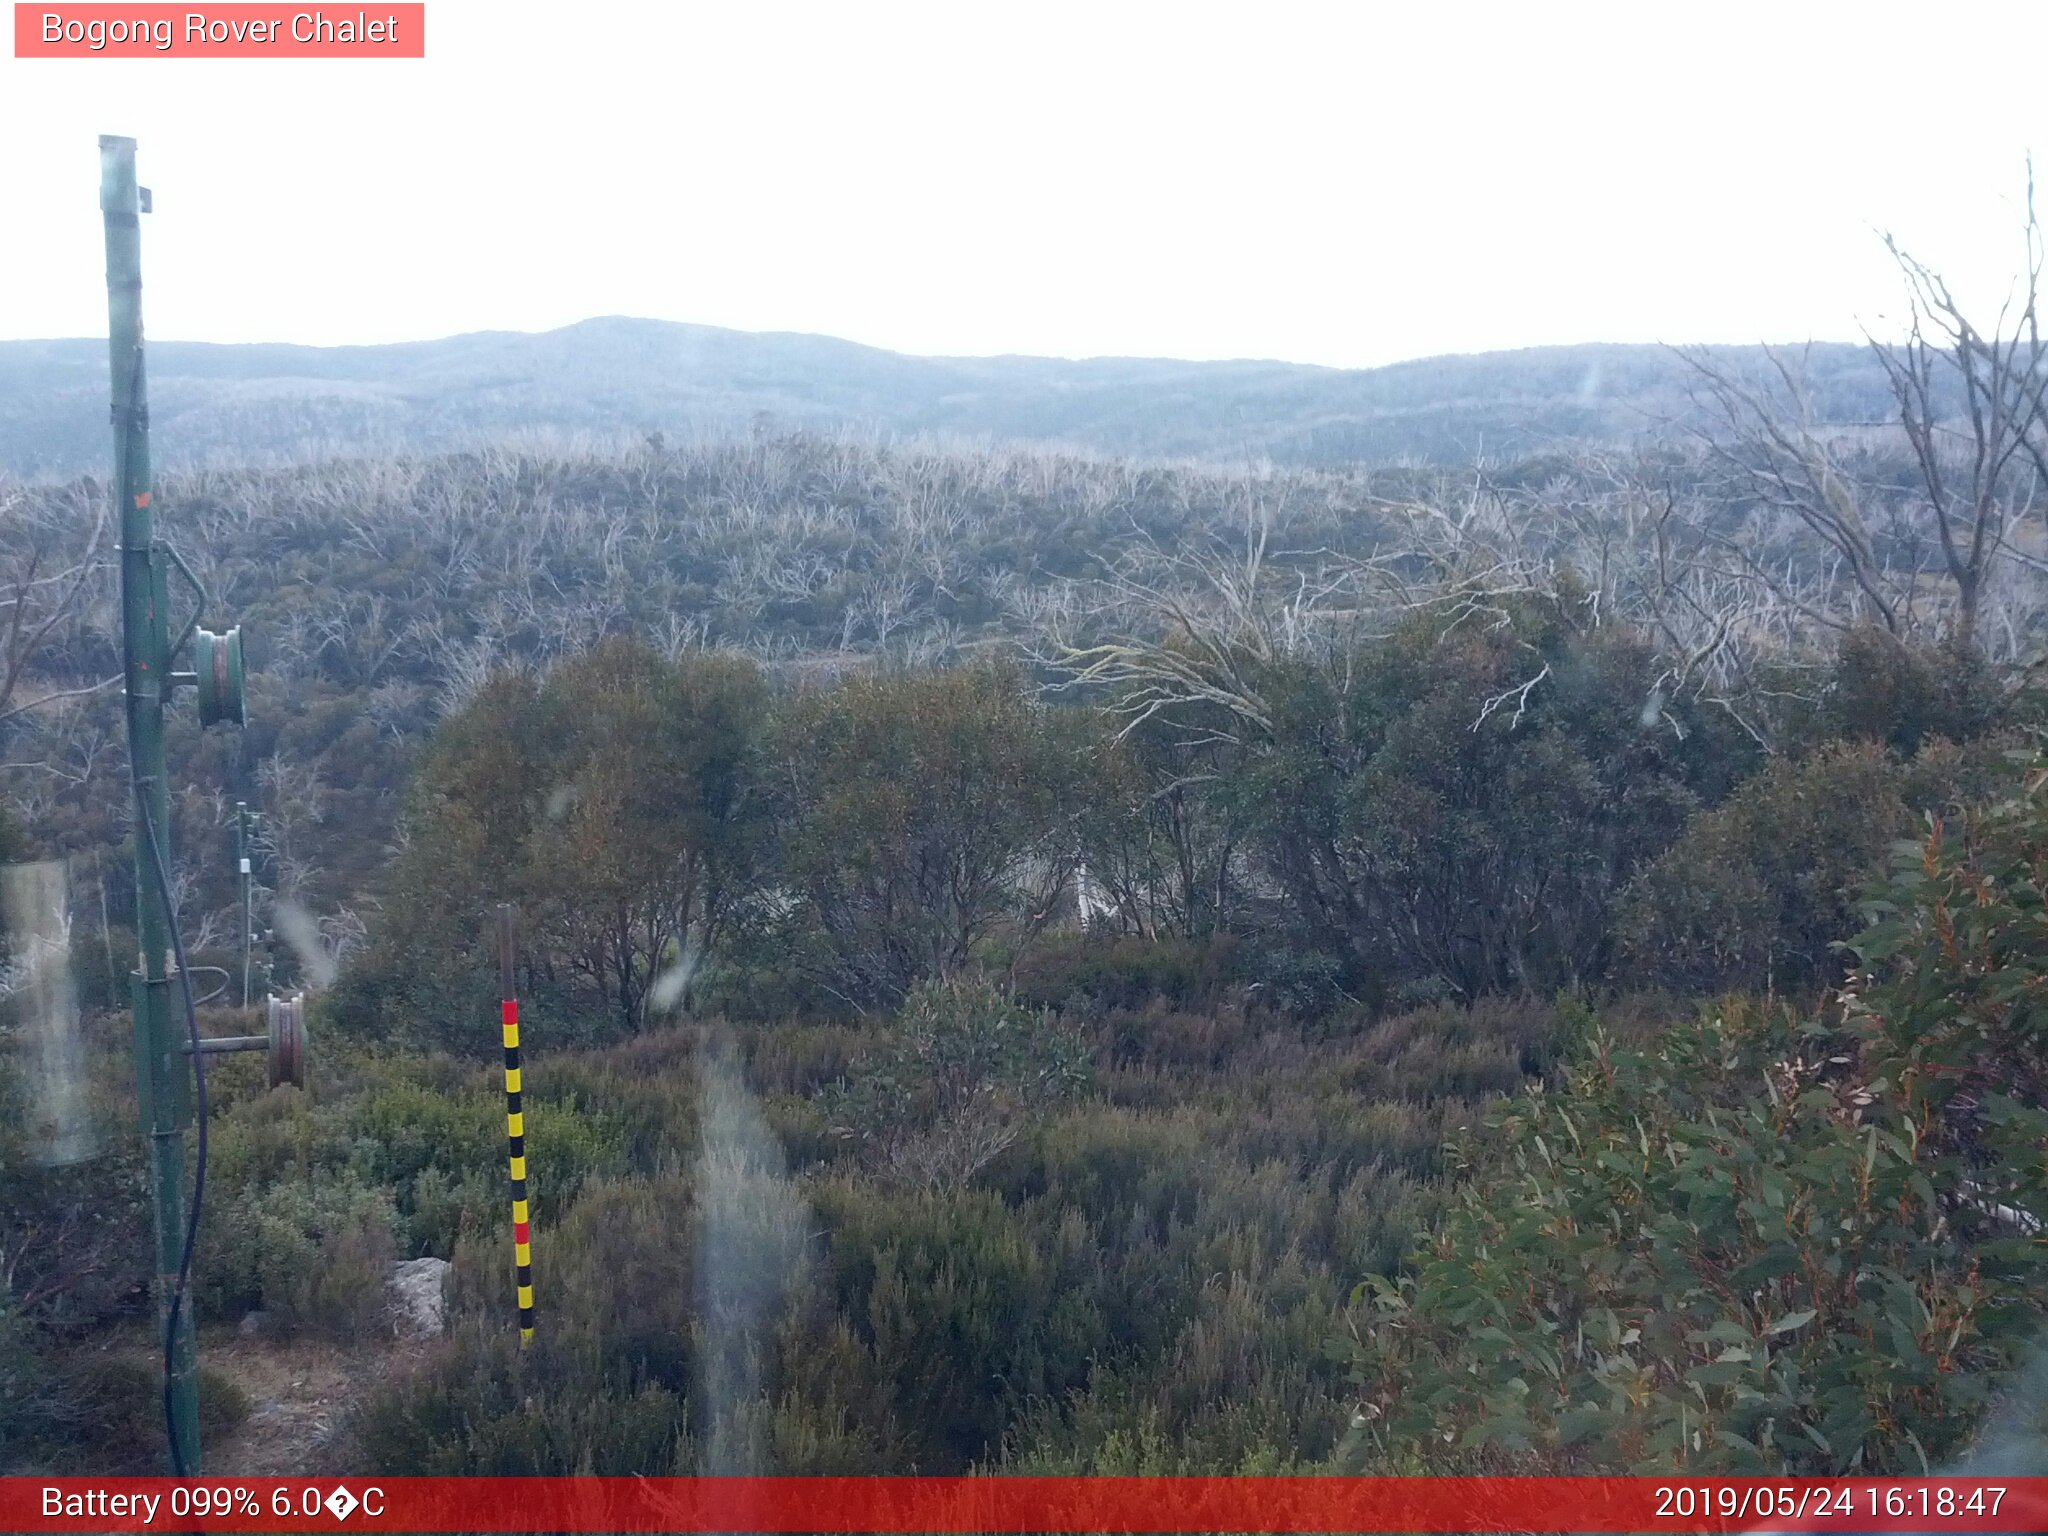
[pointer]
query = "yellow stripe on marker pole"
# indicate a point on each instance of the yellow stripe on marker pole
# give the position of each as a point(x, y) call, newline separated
point(515, 1130)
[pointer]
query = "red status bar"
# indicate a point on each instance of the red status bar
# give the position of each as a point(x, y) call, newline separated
point(1026, 1504)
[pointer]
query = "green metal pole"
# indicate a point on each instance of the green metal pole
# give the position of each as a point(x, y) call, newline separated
point(162, 1074)
point(242, 864)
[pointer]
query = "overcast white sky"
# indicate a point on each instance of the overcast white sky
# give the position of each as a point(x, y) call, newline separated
point(1348, 184)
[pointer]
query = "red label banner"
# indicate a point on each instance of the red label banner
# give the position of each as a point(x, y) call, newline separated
point(229, 31)
point(927, 1505)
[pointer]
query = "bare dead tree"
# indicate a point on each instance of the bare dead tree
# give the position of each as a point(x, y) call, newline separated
point(1645, 557)
point(44, 589)
point(1971, 404)
point(1983, 459)
point(293, 797)
point(1209, 625)
point(1773, 452)
point(1198, 626)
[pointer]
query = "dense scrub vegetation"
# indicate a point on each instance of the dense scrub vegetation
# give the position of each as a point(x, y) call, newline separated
point(981, 1185)
point(1074, 967)
point(377, 596)
point(1778, 1239)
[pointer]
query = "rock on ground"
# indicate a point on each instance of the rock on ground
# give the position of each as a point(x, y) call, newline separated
point(417, 1303)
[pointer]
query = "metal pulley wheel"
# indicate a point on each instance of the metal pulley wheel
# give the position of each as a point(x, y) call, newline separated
point(288, 1040)
point(217, 662)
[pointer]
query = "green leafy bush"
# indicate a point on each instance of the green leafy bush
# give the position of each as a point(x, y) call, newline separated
point(614, 802)
point(968, 1309)
point(1094, 972)
point(314, 1256)
point(1171, 1233)
point(95, 1411)
point(1949, 1006)
point(484, 1407)
point(1768, 1243)
point(919, 815)
point(24, 1380)
point(1901, 696)
point(1759, 892)
point(949, 1085)
point(1458, 807)
point(1492, 1047)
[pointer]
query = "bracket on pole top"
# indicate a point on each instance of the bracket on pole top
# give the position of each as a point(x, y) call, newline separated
point(118, 192)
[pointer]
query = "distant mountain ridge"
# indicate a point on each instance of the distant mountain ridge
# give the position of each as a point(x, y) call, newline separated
point(266, 402)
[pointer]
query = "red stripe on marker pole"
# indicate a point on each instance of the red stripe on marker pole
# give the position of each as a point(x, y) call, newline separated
point(924, 1506)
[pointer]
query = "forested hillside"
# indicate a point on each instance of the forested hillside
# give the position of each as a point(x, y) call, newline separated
point(1076, 964)
point(253, 404)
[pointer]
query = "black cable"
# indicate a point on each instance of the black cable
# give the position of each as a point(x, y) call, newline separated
point(171, 1314)
point(226, 977)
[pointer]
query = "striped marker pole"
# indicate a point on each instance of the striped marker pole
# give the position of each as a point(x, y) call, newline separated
point(515, 1130)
